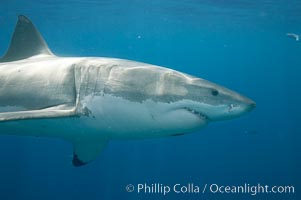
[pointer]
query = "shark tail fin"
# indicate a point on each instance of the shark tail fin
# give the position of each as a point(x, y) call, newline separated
point(85, 151)
point(26, 42)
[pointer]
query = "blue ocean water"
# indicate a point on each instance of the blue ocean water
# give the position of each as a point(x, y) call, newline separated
point(240, 44)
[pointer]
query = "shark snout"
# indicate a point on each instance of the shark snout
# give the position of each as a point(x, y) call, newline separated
point(246, 102)
point(238, 105)
point(214, 102)
point(250, 105)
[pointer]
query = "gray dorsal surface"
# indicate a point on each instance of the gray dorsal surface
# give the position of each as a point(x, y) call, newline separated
point(26, 42)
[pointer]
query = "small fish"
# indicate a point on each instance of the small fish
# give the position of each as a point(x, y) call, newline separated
point(293, 35)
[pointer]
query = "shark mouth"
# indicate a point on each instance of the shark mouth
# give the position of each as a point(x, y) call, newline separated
point(197, 113)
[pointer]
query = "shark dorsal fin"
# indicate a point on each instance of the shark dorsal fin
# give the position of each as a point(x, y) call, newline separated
point(26, 42)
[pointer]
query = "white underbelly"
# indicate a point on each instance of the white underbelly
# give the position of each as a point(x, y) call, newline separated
point(124, 119)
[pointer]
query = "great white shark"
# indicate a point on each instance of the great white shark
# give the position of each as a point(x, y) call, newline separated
point(91, 100)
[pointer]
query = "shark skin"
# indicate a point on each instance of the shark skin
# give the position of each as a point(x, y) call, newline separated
point(92, 100)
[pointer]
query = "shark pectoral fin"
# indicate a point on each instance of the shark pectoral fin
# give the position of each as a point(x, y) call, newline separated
point(85, 151)
point(26, 42)
point(51, 112)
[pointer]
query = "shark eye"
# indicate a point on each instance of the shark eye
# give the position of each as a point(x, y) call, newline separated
point(214, 92)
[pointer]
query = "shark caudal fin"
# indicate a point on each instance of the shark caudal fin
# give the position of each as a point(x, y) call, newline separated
point(26, 42)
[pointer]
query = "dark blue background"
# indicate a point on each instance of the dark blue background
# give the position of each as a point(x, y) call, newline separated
point(239, 44)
